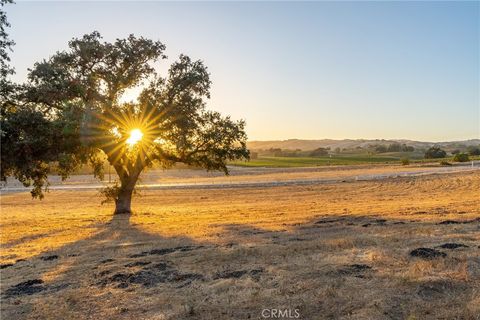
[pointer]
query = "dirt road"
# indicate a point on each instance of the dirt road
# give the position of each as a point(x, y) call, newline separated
point(253, 177)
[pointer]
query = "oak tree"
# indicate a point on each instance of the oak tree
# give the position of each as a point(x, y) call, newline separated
point(73, 111)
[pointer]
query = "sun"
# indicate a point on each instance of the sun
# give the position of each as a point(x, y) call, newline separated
point(135, 136)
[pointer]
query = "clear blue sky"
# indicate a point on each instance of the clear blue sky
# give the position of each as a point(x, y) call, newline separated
point(308, 70)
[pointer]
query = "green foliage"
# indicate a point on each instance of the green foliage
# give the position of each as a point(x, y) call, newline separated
point(473, 150)
point(6, 43)
point(445, 163)
point(461, 157)
point(31, 143)
point(435, 153)
point(7, 88)
point(71, 112)
point(405, 161)
point(393, 147)
point(111, 193)
point(406, 148)
point(381, 149)
point(319, 152)
point(277, 152)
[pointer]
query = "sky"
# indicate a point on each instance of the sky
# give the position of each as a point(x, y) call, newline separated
point(305, 70)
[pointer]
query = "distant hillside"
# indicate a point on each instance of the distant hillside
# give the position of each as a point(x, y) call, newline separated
point(293, 144)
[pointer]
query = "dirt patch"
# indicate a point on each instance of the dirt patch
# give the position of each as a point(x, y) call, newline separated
point(137, 264)
point(104, 273)
point(33, 286)
point(107, 261)
point(296, 239)
point(161, 252)
point(49, 258)
point(253, 273)
point(427, 253)
point(459, 222)
point(325, 221)
point(162, 266)
point(450, 222)
point(25, 288)
point(354, 270)
point(376, 222)
point(150, 276)
point(351, 221)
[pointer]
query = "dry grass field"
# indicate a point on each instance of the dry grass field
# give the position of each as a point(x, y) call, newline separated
point(332, 251)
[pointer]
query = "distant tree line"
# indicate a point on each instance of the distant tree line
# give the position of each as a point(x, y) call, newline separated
point(278, 152)
point(320, 152)
point(473, 150)
point(470, 150)
point(393, 147)
point(436, 152)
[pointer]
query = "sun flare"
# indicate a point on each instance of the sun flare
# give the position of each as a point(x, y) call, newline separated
point(135, 136)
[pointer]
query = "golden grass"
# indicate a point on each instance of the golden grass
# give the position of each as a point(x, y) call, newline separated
point(301, 237)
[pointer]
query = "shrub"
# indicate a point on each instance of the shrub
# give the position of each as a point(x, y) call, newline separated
point(461, 157)
point(445, 163)
point(435, 153)
point(405, 161)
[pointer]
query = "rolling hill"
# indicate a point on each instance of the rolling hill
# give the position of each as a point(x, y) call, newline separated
point(293, 144)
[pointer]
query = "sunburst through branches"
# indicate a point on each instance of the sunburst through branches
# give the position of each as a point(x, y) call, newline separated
point(135, 137)
point(131, 133)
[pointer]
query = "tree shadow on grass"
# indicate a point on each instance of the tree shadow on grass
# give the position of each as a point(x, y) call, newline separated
point(115, 256)
point(112, 273)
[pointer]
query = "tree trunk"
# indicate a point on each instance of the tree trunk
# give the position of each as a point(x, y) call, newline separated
point(128, 180)
point(124, 201)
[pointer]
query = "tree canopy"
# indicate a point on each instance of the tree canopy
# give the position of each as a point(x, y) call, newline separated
point(74, 110)
point(5, 46)
point(461, 157)
point(473, 150)
point(435, 153)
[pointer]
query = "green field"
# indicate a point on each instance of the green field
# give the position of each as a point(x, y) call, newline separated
point(314, 161)
point(350, 159)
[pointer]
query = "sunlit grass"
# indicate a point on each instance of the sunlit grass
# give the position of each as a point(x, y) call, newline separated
point(30, 227)
point(277, 230)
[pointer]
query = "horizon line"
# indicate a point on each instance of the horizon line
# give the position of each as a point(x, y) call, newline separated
point(365, 139)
